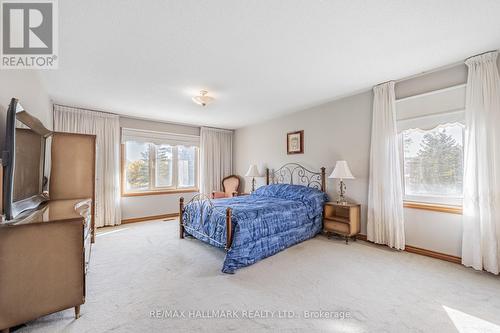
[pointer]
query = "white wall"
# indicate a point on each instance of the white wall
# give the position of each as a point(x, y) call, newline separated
point(341, 130)
point(26, 86)
point(151, 205)
point(334, 131)
point(436, 231)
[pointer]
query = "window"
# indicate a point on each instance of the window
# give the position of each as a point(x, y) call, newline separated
point(137, 168)
point(163, 165)
point(432, 164)
point(186, 166)
point(149, 167)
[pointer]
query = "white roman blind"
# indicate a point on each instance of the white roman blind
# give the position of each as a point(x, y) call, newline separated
point(426, 111)
point(174, 139)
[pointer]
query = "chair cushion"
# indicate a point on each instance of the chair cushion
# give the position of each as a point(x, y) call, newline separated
point(216, 195)
point(231, 184)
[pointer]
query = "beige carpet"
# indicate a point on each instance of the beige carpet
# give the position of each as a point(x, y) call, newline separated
point(140, 268)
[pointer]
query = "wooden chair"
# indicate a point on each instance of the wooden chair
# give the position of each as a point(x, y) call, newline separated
point(230, 187)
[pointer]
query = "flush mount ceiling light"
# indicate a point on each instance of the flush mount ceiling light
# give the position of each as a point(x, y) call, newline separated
point(203, 99)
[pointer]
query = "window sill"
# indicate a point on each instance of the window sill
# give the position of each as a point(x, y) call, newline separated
point(433, 207)
point(147, 193)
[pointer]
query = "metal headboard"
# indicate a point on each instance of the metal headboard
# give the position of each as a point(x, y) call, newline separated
point(294, 173)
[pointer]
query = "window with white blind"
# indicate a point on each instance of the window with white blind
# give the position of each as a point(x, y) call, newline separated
point(156, 162)
point(431, 133)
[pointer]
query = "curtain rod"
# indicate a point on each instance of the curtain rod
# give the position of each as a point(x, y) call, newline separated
point(479, 54)
point(139, 118)
point(218, 129)
point(435, 69)
point(86, 109)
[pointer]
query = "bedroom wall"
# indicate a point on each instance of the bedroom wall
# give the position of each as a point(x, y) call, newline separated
point(27, 87)
point(151, 205)
point(341, 129)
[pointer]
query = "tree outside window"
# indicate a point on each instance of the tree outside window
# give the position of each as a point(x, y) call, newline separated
point(433, 162)
point(152, 167)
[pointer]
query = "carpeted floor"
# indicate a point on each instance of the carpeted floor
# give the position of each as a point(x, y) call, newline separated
point(144, 279)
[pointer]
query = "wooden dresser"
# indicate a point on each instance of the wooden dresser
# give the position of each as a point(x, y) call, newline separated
point(44, 254)
point(43, 259)
point(342, 219)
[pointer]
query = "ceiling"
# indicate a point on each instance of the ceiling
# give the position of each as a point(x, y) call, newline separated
point(260, 59)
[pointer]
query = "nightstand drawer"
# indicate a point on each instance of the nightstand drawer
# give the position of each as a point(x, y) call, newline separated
point(342, 219)
point(338, 227)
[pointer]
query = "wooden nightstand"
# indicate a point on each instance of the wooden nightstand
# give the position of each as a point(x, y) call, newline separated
point(342, 220)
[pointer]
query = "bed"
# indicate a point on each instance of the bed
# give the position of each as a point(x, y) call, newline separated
point(287, 211)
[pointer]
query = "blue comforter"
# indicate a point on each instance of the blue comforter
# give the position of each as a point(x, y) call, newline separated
point(272, 219)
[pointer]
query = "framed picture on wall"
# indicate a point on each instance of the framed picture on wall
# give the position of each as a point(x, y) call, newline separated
point(295, 142)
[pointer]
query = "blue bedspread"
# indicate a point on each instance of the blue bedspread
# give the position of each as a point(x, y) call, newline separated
point(272, 219)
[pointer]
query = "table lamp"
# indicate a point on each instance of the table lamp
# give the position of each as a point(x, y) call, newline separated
point(341, 172)
point(253, 172)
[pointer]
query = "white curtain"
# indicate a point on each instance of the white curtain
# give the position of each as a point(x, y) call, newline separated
point(385, 196)
point(216, 150)
point(106, 128)
point(481, 206)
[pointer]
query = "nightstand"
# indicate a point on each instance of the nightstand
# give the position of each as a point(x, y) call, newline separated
point(342, 220)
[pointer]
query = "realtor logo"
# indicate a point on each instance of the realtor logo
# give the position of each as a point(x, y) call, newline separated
point(29, 34)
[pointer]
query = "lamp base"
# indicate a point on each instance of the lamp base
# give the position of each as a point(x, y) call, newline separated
point(341, 200)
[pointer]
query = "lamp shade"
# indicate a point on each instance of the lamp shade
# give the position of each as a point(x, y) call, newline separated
point(252, 171)
point(341, 171)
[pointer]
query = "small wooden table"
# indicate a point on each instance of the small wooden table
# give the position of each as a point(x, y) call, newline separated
point(342, 219)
